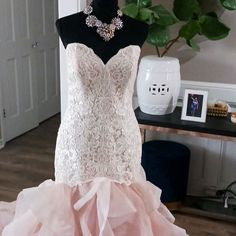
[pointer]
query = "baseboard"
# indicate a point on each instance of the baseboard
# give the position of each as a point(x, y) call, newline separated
point(173, 206)
point(2, 144)
point(211, 207)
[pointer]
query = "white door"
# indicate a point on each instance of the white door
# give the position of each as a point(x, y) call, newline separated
point(43, 14)
point(28, 63)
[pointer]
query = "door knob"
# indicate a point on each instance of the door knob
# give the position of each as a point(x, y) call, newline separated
point(35, 44)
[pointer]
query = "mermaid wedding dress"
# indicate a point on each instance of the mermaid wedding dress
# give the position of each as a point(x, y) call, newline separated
point(100, 187)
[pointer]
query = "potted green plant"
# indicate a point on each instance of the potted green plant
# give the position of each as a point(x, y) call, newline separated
point(158, 81)
point(193, 15)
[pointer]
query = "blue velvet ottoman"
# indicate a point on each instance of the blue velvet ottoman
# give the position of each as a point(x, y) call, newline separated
point(166, 164)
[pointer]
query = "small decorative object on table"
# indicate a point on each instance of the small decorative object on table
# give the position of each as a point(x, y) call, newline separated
point(233, 117)
point(158, 84)
point(219, 109)
point(194, 105)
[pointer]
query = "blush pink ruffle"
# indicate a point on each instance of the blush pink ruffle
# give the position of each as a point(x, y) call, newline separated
point(100, 207)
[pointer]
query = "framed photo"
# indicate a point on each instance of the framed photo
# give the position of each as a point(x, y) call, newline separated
point(194, 105)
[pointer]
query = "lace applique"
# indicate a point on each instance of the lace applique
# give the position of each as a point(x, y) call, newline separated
point(99, 134)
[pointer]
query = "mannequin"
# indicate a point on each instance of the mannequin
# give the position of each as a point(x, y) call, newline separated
point(73, 29)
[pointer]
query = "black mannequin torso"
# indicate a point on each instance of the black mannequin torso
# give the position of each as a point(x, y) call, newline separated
point(72, 29)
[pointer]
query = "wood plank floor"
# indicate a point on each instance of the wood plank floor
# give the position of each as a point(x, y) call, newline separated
point(28, 160)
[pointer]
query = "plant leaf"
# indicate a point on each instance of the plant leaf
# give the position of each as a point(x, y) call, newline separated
point(212, 28)
point(130, 1)
point(189, 30)
point(146, 15)
point(193, 45)
point(158, 35)
point(186, 9)
point(229, 4)
point(130, 10)
point(164, 16)
point(144, 3)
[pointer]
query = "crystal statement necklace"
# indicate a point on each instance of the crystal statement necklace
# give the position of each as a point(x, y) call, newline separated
point(106, 31)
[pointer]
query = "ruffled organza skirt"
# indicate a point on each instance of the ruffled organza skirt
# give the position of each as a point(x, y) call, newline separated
point(100, 207)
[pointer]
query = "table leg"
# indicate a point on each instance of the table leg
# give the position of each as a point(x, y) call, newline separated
point(143, 134)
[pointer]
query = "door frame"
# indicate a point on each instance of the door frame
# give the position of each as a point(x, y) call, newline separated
point(2, 123)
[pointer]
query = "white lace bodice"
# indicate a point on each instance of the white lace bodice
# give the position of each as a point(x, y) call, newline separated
point(99, 134)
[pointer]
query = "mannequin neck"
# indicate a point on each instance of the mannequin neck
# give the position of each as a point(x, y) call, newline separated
point(105, 10)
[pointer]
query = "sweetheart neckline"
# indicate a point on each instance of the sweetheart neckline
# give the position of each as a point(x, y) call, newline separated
point(91, 49)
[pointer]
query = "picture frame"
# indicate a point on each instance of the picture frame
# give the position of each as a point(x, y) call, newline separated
point(194, 105)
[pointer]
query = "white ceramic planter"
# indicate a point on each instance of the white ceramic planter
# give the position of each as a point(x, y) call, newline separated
point(158, 84)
